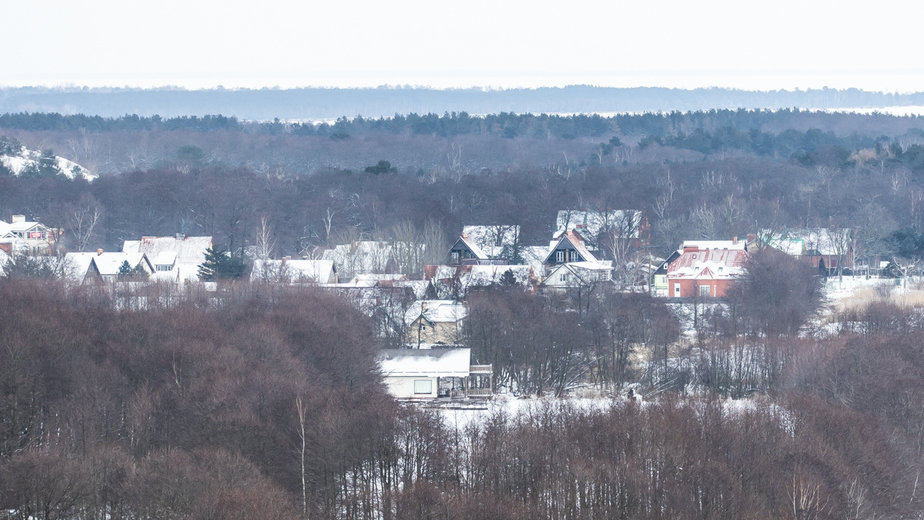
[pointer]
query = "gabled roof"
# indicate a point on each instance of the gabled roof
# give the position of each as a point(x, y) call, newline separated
point(583, 272)
point(708, 264)
point(471, 245)
point(572, 238)
point(110, 263)
point(184, 250)
point(437, 311)
point(106, 263)
point(366, 256)
point(24, 226)
point(77, 265)
point(589, 224)
point(187, 252)
point(437, 362)
point(487, 237)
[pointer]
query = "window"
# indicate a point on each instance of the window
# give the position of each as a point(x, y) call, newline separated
point(454, 255)
point(423, 386)
point(560, 256)
point(563, 277)
point(163, 267)
point(705, 290)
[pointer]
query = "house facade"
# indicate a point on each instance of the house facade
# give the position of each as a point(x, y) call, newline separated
point(706, 269)
point(175, 259)
point(287, 270)
point(29, 237)
point(412, 374)
point(101, 266)
point(823, 248)
point(434, 322)
point(569, 247)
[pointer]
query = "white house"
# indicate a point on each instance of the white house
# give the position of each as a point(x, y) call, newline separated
point(175, 259)
point(103, 266)
point(416, 374)
point(287, 270)
point(577, 274)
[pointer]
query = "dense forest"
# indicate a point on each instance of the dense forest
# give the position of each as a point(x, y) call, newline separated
point(696, 175)
point(267, 405)
point(256, 400)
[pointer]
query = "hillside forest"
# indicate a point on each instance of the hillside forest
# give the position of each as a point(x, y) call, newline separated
point(258, 400)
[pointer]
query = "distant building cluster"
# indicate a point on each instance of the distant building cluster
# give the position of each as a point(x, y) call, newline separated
point(423, 318)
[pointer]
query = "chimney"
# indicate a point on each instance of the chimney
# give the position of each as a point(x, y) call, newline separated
point(99, 252)
point(180, 236)
point(17, 218)
point(735, 240)
point(286, 259)
point(423, 306)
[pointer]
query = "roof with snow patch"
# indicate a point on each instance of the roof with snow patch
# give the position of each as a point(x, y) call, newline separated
point(437, 362)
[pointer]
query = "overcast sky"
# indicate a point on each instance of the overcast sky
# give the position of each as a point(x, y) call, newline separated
point(763, 45)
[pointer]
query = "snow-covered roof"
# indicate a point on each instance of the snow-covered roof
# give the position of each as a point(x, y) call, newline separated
point(535, 256)
point(107, 263)
point(492, 240)
point(5, 229)
point(485, 275)
point(373, 278)
point(77, 265)
point(189, 251)
point(299, 270)
point(111, 263)
point(438, 362)
point(708, 264)
point(24, 226)
point(472, 246)
point(809, 241)
point(186, 249)
point(436, 311)
point(578, 273)
point(418, 287)
point(365, 256)
point(465, 277)
point(575, 240)
point(703, 245)
point(590, 223)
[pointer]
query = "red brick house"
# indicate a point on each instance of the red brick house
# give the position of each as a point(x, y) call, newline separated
point(706, 268)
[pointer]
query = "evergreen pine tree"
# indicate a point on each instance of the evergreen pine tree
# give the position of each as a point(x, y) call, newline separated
point(125, 269)
point(211, 266)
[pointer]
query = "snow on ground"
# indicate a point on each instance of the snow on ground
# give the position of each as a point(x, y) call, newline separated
point(465, 413)
point(30, 158)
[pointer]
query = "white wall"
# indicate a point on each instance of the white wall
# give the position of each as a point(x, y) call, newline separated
point(402, 387)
